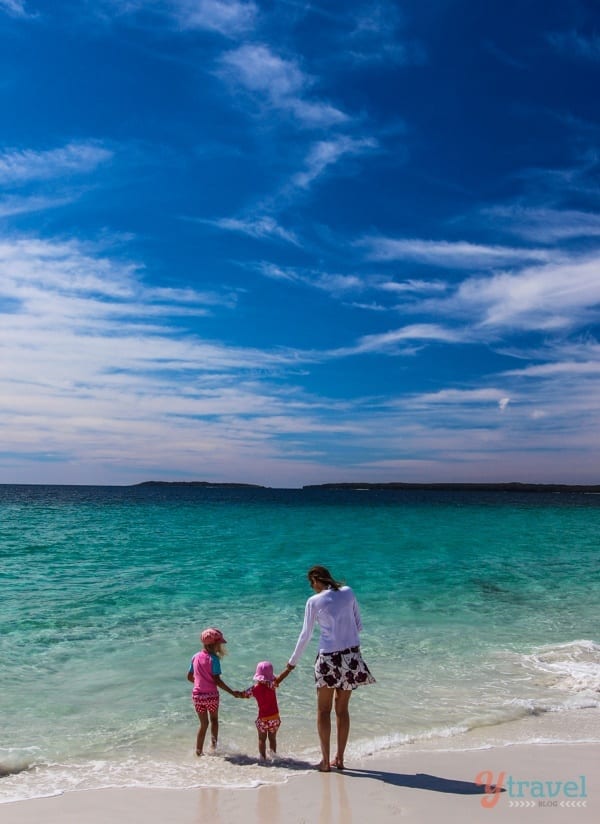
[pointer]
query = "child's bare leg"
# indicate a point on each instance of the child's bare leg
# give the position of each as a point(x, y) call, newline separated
point(273, 740)
point(214, 729)
point(262, 744)
point(203, 718)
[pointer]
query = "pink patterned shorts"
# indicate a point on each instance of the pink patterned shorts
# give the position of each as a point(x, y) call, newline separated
point(267, 725)
point(206, 702)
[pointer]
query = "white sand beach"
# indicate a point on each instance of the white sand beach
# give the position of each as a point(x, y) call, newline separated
point(541, 783)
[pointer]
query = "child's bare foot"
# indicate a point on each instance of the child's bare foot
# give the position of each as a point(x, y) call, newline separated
point(337, 763)
point(199, 753)
point(322, 766)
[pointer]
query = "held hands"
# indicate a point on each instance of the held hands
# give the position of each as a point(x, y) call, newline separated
point(284, 674)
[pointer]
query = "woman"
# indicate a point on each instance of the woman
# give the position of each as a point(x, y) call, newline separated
point(339, 666)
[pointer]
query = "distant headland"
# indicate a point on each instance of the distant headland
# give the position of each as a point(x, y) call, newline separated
point(397, 485)
point(464, 487)
point(225, 485)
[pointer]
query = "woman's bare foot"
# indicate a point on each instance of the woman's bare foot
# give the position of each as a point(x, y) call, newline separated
point(322, 766)
point(337, 763)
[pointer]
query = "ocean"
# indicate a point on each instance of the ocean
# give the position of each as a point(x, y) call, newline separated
point(481, 615)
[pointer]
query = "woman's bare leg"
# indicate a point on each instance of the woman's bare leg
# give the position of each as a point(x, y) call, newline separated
point(342, 720)
point(324, 705)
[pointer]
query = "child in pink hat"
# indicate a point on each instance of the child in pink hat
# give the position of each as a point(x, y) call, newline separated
point(268, 720)
point(205, 674)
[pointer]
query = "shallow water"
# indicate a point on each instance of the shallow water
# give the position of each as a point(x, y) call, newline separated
point(479, 609)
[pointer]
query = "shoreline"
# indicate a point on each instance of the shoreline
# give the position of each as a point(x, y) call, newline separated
point(560, 746)
point(557, 782)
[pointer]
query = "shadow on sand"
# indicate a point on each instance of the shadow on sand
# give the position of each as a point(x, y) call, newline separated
point(242, 760)
point(422, 781)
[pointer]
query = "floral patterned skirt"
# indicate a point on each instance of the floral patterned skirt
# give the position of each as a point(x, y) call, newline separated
point(343, 670)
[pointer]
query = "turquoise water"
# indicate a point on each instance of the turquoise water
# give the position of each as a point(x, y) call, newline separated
point(478, 609)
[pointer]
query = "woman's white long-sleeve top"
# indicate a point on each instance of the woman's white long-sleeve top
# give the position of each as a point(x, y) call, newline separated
point(337, 614)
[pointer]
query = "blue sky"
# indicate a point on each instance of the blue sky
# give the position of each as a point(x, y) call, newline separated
point(293, 242)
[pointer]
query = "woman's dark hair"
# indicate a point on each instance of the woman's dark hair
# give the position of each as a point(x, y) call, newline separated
point(323, 576)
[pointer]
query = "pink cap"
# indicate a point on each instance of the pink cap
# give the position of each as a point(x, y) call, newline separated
point(264, 672)
point(212, 635)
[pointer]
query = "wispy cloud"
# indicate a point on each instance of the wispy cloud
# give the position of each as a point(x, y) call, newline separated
point(412, 286)
point(388, 342)
point(261, 226)
point(446, 254)
point(579, 178)
point(19, 205)
point(548, 370)
point(341, 284)
point(463, 397)
point(15, 8)
point(100, 369)
point(545, 225)
point(331, 282)
point(561, 359)
point(552, 296)
point(326, 153)
point(280, 82)
point(575, 44)
point(25, 165)
point(375, 37)
point(230, 18)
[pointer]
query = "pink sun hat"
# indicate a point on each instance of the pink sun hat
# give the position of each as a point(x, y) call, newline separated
point(264, 672)
point(212, 635)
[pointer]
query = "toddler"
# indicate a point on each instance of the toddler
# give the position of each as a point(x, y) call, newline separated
point(268, 720)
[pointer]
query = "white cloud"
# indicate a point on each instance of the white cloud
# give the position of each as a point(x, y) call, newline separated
point(271, 270)
point(326, 153)
point(412, 285)
point(375, 37)
point(447, 254)
point(544, 225)
point(17, 205)
point(15, 8)
point(280, 82)
point(25, 165)
point(557, 369)
point(258, 69)
point(387, 342)
point(462, 397)
point(228, 17)
point(552, 296)
point(262, 226)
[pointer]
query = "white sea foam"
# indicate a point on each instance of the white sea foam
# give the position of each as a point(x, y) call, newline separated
point(572, 668)
point(225, 770)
